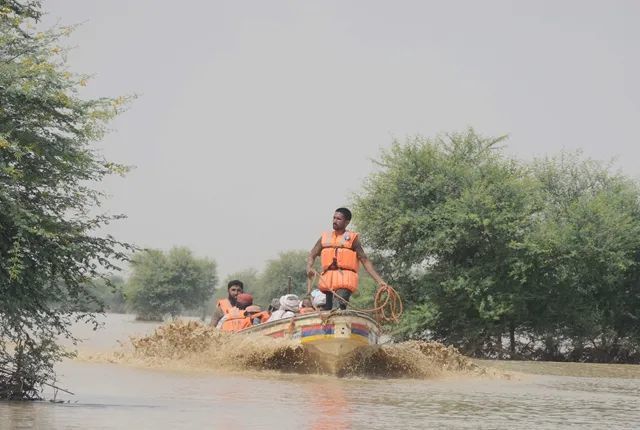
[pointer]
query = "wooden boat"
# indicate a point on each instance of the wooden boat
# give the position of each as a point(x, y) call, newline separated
point(330, 336)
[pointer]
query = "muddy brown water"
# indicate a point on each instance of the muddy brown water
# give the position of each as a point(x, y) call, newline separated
point(219, 389)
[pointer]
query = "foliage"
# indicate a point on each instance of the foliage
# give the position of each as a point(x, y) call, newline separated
point(484, 247)
point(107, 295)
point(48, 169)
point(167, 283)
point(274, 279)
point(250, 279)
point(582, 261)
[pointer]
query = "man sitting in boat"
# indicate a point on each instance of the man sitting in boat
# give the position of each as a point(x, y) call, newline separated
point(340, 253)
point(225, 306)
point(256, 315)
point(273, 306)
point(318, 300)
point(289, 305)
point(237, 319)
point(306, 307)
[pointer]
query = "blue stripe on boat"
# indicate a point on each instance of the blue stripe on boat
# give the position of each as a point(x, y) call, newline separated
point(360, 332)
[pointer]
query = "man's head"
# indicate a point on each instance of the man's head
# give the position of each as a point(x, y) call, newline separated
point(275, 305)
point(341, 219)
point(306, 303)
point(234, 288)
point(319, 300)
point(244, 300)
point(253, 309)
point(289, 302)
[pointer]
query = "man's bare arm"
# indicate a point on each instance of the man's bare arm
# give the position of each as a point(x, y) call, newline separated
point(217, 316)
point(313, 254)
point(368, 265)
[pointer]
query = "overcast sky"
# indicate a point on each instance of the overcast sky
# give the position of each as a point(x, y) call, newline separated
point(257, 118)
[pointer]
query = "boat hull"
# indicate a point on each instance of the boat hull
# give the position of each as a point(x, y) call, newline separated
point(330, 337)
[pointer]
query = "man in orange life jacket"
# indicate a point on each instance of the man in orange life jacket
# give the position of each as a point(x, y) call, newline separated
point(236, 319)
point(224, 306)
point(340, 253)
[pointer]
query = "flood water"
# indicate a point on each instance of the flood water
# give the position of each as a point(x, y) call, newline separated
point(121, 394)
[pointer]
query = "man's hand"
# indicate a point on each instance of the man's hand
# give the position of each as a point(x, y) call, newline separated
point(311, 273)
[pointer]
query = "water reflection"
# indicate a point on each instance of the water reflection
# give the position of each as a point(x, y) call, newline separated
point(330, 406)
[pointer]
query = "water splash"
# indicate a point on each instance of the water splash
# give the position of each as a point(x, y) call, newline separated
point(193, 345)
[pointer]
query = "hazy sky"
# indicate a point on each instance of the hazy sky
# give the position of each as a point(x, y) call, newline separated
point(257, 118)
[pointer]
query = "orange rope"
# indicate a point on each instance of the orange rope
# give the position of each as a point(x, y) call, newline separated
point(387, 304)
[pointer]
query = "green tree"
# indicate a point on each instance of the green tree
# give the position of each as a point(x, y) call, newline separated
point(48, 170)
point(106, 295)
point(168, 283)
point(274, 279)
point(485, 248)
point(250, 278)
point(443, 216)
point(582, 262)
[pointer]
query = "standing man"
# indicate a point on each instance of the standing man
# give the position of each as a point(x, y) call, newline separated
point(340, 253)
point(230, 304)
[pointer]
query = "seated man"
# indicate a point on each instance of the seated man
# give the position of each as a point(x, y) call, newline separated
point(274, 305)
point(256, 315)
point(236, 319)
point(306, 306)
point(318, 301)
point(288, 307)
point(225, 306)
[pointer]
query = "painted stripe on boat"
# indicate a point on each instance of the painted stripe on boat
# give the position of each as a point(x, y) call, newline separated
point(329, 337)
point(360, 332)
point(317, 329)
point(360, 326)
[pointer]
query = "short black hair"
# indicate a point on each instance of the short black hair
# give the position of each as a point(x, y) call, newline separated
point(346, 212)
point(235, 282)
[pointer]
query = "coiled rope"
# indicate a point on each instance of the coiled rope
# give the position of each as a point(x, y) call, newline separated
point(387, 304)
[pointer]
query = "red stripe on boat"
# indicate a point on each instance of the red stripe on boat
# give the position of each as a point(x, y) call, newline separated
point(360, 326)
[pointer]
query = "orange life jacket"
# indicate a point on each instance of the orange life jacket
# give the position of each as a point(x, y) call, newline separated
point(339, 261)
point(235, 321)
point(306, 310)
point(263, 315)
point(225, 306)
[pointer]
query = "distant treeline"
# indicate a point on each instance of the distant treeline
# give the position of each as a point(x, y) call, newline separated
point(173, 283)
point(161, 284)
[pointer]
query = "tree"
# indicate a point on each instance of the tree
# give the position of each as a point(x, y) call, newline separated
point(274, 279)
point(583, 259)
point(106, 295)
point(484, 247)
point(250, 278)
point(167, 283)
point(48, 171)
point(445, 213)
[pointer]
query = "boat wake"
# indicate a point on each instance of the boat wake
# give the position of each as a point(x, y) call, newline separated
point(195, 346)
